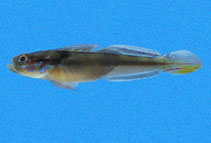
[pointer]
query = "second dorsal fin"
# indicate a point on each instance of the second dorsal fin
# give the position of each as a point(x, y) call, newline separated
point(129, 50)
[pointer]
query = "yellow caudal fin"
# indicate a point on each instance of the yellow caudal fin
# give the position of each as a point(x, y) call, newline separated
point(181, 62)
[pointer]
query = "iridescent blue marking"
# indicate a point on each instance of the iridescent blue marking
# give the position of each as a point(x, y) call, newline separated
point(31, 70)
point(27, 66)
point(40, 64)
point(43, 69)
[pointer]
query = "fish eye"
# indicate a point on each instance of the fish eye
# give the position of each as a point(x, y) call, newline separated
point(22, 58)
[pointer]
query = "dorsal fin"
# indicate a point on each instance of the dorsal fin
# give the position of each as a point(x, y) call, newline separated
point(129, 50)
point(79, 48)
point(109, 50)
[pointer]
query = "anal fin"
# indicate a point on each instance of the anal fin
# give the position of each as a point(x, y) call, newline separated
point(134, 76)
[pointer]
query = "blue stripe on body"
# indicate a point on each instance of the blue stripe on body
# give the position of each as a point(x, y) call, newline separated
point(43, 69)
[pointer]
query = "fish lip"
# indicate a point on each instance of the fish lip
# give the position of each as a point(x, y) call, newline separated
point(12, 68)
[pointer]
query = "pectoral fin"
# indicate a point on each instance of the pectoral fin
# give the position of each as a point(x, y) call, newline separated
point(66, 85)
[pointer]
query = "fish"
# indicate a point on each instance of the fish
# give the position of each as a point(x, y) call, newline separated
point(68, 66)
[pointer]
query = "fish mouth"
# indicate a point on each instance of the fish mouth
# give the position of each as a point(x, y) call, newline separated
point(12, 68)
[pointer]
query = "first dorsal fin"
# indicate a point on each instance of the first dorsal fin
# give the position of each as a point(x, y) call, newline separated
point(79, 48)
point(129, 50)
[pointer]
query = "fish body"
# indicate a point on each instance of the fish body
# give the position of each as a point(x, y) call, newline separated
point(66, 67)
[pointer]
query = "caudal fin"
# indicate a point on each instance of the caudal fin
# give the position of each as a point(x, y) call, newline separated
point(181, 62)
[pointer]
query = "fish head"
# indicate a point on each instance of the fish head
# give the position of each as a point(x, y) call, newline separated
point(28, 65)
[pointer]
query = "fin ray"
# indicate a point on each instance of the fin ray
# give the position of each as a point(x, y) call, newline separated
point(129, 50)
point(126, 73)
point(129, 77)
point(181, 62)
